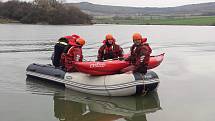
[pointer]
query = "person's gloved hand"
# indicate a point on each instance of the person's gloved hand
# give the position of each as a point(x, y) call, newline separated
point(142, 58)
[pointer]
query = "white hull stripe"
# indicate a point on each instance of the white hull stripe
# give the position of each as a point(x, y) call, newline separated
point(94, 87)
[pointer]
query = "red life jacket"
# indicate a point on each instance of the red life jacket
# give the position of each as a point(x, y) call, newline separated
point(74, 54)
point(105, 52)
point(138, 51)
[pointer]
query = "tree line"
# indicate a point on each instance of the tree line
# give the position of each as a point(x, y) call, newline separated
point(43, 12)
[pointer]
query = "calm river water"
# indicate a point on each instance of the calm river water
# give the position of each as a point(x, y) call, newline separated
point(185, 93)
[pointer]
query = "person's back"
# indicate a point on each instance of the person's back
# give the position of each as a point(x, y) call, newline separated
point(109, 49)
point(58, 50)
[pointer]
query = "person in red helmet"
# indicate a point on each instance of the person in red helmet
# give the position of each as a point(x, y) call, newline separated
point(60, 47)
point(140, 54)
point(71, 41)
point(109, 49)
point(74, 54)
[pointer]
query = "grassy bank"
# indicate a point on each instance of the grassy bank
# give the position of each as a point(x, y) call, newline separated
point(196, 20)
point(5, 21)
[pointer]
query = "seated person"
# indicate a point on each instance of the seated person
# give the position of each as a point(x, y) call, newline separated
point(109, 49)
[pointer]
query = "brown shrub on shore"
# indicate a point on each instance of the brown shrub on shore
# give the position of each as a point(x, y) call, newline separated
point(43, 11)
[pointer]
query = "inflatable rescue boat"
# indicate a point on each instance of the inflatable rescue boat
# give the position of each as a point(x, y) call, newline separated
point(107, 85)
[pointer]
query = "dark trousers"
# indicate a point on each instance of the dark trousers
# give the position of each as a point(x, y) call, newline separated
point(141, 69)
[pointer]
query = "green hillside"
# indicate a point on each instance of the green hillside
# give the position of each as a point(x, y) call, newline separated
point(197, 20)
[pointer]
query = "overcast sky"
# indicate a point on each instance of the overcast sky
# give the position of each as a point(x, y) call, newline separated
point(144, 3)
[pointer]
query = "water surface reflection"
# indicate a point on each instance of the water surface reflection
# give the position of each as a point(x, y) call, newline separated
point(75, 106)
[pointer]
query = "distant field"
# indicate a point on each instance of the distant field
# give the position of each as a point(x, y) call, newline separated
point(194, 20)
point(3, 20)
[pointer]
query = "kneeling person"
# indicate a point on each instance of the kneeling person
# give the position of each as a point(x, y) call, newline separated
point(140, 54)
point(74, 54)
point(59, 48)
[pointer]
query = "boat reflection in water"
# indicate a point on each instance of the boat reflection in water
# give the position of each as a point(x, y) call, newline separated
point(75, 106)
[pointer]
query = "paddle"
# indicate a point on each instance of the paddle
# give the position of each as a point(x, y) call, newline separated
point(119, 58)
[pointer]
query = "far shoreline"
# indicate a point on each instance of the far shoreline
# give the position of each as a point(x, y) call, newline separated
point(9, 21)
